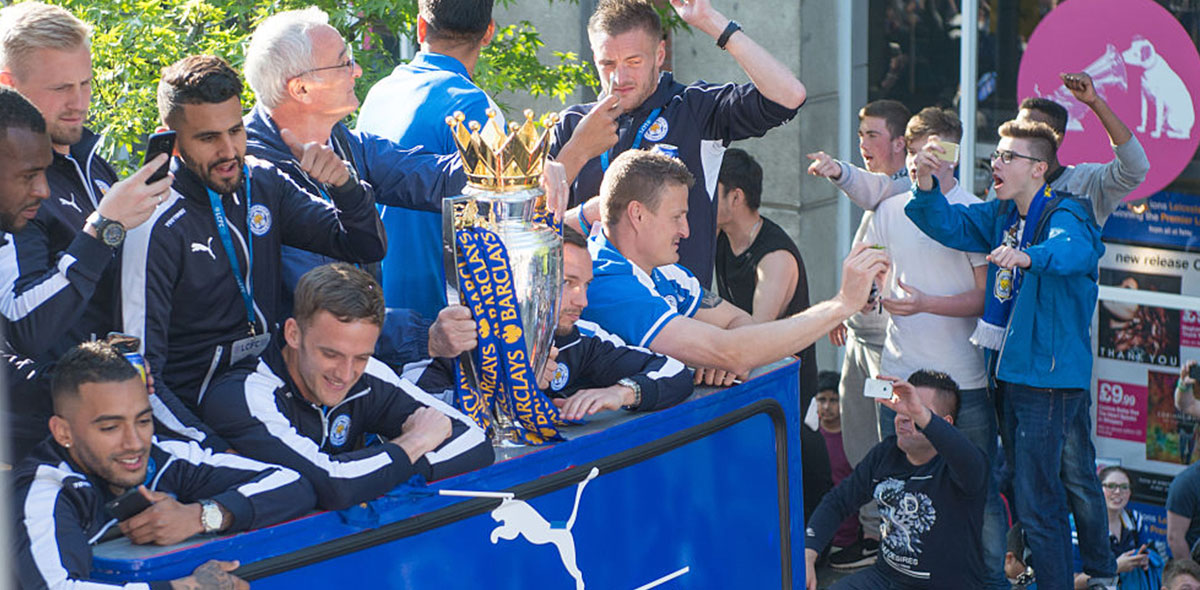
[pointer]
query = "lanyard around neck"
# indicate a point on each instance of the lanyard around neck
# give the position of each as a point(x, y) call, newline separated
point(637, 140)
point(218, 210)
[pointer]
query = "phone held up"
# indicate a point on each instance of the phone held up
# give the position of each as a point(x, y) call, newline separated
point(877, 388)
point(159, 143)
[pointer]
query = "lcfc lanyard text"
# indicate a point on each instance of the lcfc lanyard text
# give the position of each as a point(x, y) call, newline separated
point(245, 285)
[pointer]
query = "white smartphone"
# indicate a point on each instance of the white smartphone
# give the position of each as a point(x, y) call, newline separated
point(877, 388)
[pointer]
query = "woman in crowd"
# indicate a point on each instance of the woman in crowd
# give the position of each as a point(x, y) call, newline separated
point(1135, 562)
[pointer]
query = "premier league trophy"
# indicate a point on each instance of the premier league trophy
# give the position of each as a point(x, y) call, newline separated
point(503, 260)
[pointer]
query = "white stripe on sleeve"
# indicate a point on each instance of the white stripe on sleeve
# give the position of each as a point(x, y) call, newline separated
point(42, 529)
point(466, 441)
point(197, 455)
point(260, 399)
point(16, 307)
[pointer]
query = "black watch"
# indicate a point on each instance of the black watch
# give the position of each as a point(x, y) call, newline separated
point(730, 29)
point(111, 232)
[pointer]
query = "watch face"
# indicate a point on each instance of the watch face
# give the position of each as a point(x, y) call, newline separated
point(113, 234)
point(210, 517)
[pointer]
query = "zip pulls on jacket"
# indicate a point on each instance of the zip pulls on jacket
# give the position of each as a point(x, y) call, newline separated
point(325, 411)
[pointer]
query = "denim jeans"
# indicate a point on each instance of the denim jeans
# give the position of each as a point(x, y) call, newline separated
point(1036, 424)
point(1085, 498)
point(977, 421)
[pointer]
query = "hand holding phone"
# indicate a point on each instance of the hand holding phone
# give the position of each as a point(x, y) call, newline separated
point(159, 143)
point(877, 388)
point(127, 505)
point(949, 153)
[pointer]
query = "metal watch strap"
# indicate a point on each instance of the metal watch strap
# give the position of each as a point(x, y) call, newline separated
point(637, 392)
point(208, 507)
point(730, 29)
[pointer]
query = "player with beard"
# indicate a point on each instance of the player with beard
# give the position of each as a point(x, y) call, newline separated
point(201, 280)
point(930, 483)
point(102, 446)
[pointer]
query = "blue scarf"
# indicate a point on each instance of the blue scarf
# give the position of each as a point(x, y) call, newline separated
point(991, 328)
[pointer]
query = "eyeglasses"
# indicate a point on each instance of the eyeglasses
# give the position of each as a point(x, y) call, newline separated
point(1116, 487)
point(348, 64)
point(1006, 156)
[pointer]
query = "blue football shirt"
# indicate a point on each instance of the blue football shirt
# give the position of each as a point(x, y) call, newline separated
point(634, 305)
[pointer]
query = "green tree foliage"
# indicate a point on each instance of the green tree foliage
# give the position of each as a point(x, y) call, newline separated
point(134, 39)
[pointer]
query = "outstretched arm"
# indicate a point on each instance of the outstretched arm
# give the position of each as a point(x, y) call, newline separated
point(1080, 85)
point(745, 347)
point(773, 79)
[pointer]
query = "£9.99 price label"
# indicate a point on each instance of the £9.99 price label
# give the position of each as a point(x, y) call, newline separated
point(1121, 410)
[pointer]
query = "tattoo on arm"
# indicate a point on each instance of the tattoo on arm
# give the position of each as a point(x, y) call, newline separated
point(209, 576)
point(709, 300)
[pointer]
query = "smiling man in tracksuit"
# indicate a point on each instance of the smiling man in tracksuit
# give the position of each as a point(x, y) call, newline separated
point(310, 402)
point(102, 446)
point(61, 272)
point(642, 107)
point(201, 281)
point(1041, 292)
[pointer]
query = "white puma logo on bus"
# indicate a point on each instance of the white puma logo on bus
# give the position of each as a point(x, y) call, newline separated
point(518, 518)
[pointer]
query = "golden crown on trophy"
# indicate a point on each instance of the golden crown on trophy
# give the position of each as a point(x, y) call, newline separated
point(494, 160)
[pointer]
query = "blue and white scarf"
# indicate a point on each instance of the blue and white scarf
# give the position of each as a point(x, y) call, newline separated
point(990, 330)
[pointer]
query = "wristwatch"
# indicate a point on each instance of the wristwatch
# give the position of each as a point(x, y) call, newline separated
point(111, 232)
point(637, 392)
point(210, 516)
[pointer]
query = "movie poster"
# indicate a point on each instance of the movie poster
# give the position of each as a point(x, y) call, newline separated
point(1139, 333)
point(1147, 327)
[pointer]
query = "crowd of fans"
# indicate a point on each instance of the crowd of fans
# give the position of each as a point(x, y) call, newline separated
point(281, 295)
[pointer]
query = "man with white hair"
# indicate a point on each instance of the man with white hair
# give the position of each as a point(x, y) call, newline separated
point(62, 267)
point(303, 74)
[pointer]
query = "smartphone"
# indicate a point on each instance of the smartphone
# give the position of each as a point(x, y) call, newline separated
point(877, 388)
point(951, 153)
point(160, 143)
point(1194, 372)
point(127, 505)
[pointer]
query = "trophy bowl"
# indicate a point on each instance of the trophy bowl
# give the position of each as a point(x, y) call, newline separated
point(535, 256)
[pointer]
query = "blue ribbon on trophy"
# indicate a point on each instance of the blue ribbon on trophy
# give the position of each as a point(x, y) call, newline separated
point(514, 305)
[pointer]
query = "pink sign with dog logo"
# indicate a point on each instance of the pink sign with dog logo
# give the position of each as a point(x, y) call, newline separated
point(1142, 63)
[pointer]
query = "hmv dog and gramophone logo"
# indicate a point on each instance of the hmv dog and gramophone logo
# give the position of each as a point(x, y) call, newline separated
point(1142, 63)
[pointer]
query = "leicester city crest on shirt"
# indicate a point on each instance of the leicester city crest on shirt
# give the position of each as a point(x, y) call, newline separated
point(561, 374)
point(340, 430)
point(658, 130)
point(260, 219)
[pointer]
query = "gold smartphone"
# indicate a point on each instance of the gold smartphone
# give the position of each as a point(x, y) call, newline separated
point(951, 153)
